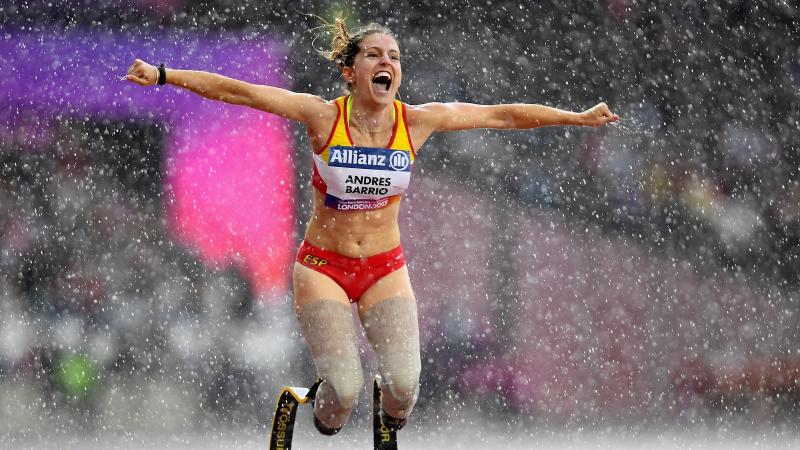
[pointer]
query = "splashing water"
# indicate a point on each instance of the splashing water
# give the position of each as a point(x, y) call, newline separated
point(629, 127)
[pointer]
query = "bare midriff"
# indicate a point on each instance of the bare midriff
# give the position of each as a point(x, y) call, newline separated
point(354, 234)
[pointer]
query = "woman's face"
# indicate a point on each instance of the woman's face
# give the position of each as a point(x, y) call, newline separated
point(376, 73)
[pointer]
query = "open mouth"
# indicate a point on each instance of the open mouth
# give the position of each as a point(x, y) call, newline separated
point(382, 81)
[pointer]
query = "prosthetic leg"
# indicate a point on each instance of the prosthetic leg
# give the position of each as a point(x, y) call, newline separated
point(384, 437)
point(285, 413)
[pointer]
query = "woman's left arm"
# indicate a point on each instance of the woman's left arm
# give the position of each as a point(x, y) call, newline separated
point(464, 116)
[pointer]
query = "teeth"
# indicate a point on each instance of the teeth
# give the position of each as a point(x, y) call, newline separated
point(382, 73)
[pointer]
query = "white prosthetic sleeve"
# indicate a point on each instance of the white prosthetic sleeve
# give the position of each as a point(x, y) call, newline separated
point(329, 331)
point(393, 331)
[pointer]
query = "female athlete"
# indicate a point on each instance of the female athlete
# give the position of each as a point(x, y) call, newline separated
point(364, 145)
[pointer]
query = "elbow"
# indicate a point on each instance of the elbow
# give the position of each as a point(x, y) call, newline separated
point(509, 120)
point(235, 98)
point(521, 119)
point(233, 93)
point(232, 99)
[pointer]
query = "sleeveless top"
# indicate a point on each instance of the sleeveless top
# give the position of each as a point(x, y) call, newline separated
point(354, 178)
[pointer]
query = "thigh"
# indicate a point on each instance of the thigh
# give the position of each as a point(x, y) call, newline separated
point(311, 286)
point(396, 284)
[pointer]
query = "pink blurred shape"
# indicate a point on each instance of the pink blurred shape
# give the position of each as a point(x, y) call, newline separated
point(232, 193)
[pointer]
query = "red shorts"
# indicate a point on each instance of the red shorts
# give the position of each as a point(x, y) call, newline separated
point(354, 275)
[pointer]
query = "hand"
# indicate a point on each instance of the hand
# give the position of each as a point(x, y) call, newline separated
point(598, 116)
point(142, 73)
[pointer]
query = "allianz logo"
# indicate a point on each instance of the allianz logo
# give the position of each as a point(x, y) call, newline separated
point(394, 159)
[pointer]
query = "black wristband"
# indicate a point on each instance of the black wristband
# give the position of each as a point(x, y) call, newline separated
point(162, 75)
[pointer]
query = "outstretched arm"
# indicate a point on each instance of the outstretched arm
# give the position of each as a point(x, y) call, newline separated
point(463, 116)
point(300, 107)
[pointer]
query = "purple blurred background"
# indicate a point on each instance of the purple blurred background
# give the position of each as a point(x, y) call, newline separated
point(228, 172)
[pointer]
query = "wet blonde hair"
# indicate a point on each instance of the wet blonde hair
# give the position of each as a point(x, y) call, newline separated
point(344, 45)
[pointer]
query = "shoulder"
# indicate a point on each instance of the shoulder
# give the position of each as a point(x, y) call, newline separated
point(422, 120)
point(427, 108)
point(321, 122)
point(445, 116)
point(425, 114)
point(318, 103)
point(319, 111)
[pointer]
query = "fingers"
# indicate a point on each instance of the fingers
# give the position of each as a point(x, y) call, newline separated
point(603, 109)
point(138, 80)
point(141, 73)
point(604, 114)
point(135, 66)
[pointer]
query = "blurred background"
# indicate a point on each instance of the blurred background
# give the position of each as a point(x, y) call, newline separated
point(641, 276)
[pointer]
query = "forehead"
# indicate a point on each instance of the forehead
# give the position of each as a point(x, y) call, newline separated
point(379, 40)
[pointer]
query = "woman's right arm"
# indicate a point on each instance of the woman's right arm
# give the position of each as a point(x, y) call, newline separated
point(300, 107)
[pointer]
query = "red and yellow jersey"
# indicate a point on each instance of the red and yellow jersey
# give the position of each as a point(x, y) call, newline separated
point(356, 178)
